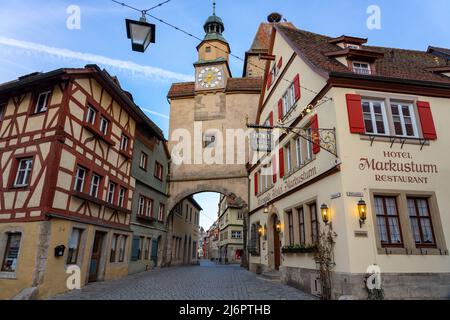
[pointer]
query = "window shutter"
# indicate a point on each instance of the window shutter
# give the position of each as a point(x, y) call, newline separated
point(269, 80)
point(426, 120)
point(280, 63)
point(271, 118)
point(280, 109)
point(355, 114)
point(297, 87)
point(281, 151)
point(314, 125)
point(256, 183)
point(274, 168)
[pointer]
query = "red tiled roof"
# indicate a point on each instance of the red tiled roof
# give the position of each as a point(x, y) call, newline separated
point(396, 63)
point(261, 43)
point(187, 89)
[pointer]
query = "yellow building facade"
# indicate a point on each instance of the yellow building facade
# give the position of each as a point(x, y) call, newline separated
point(361, 126)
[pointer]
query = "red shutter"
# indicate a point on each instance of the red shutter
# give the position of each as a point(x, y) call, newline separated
point(280, 63)
point(281, 162)
point(280, 109)
point(269, 80)
point(297, 87)
point(271, 118)
point(355, 113)
point(274, 168)
point(426, 119)
point(314, 125)
point(256, 183)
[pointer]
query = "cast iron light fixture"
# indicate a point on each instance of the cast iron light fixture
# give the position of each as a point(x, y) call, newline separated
point(59, 251)
point(266, 209)
point(278, 226)
point(141, 33)
point(325, 213)
point(362, 210)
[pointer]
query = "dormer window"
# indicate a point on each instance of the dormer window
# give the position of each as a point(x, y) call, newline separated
point(361, 68)
point(353, 46)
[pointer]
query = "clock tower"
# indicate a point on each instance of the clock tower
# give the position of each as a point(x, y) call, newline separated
point(212, 70)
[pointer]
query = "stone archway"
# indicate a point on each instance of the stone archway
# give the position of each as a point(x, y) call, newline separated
point(272, 216)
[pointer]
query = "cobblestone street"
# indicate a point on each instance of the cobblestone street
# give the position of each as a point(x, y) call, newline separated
point(205, 282)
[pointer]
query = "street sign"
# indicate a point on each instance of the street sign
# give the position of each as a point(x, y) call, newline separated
point(261, 141)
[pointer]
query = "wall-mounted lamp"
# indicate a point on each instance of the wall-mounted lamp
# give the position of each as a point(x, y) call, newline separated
point(362, 211)
point(266, 209)
point(278, 226)
point(325, 213)
point(261, 231)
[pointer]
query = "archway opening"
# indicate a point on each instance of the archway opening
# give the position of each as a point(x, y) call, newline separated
point(207, 227)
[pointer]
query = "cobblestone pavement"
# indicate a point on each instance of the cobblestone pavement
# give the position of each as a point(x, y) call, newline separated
point(205, 282)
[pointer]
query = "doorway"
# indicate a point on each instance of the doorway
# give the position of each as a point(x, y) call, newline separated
point(96, 256)
point(154, 256)
point(276, 244)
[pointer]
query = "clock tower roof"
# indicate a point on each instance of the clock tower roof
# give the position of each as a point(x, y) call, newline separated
point(214, 27)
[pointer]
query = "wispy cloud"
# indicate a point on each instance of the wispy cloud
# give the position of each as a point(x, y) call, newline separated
point(134, 68)
point(155, 113)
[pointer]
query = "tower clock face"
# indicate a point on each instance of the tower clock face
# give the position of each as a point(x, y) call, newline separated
point(210, 77)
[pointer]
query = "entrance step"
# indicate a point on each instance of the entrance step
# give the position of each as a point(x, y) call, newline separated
point(273, 275)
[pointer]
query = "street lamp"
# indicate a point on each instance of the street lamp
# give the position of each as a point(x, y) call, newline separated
point(141, 33)
point(325, 213)
point(362, 211)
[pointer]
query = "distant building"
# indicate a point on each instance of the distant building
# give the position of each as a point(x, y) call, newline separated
point(201, 241)
point(212, 242)
point(150, 169)
point(231, 225)
point(185, 231)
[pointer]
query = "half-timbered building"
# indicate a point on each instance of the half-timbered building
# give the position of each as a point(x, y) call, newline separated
point(66, 144)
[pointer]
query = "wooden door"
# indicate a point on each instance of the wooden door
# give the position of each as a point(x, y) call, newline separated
point(276, 244)
point(96, 256)
point(154, 256)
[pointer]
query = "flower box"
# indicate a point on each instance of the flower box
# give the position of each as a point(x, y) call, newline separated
point(299, 249)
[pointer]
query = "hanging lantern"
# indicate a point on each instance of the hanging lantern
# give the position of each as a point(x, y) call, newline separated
point(141, 33)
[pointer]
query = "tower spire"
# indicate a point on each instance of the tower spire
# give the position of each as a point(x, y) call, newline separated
point(214, 8)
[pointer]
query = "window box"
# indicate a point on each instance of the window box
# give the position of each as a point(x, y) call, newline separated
point(299, 249)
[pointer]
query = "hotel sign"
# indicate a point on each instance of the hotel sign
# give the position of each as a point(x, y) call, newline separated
point(398, 167)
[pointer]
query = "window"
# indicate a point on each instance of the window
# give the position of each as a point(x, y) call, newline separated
point(122, 245)
point(42, 102)
point(375, 119)
point(104, 124)
point(143, 161)
point(2, 111)
point(114, 242)
point(388, 221)
point(149, 208)
point(124, 143)
point(95, 184)
point(162, 208)
point(422, 227)
point(209, 141)
point(240, 215)
point(147, 248)
point(361, 68)
point(11, 252)
point(314, 223)
point(309, 145)
point(91, 115)
point(287, 152)
point(208, 49)
point(122, 193)
point(301, 222)
point(290, 220)
point(79, 179)
point(111, 192)
point(236, 234)
point(190, 215)
point(23, 172)
point(298, 152)
point(289, 99)
point(404, 120)
point(141, 206)
point(159, 170)
point(274, 73)
point(74, 246)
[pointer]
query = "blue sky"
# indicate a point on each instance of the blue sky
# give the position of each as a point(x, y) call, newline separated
point(33, 37)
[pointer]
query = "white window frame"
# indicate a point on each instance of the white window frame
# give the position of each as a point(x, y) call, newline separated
point(309, 145)
point(361, 70)
point(78, 178)
point(45, 105)
point(95, 183)
point(26, 170)
point(161, 210)
point(111, 192)
point(91, 113)
point(149, 208)
point(299, 152)
point(104, 124)
point(124, 140)
point(121, 199)
point(234, 234)
point(288, 153)
point(141, 206)
point(143, 161)
point(399, 106)
point(209, 140)
point(374, 122)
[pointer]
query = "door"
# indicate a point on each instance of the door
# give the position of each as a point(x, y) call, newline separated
point(276, 244)
point(96, 256)
point(154, 256)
